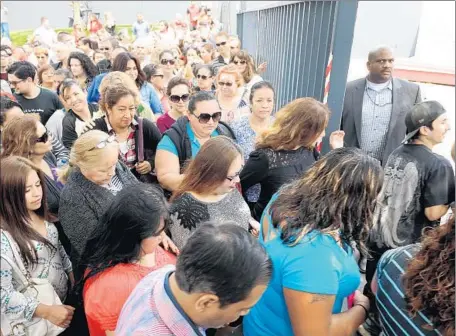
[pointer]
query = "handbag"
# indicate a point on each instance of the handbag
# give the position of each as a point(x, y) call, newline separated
point(149, 177)
point(40, 289)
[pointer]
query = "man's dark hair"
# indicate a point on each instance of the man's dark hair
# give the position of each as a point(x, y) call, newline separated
point(150, 70)
point(418, 134)
point(225, 260)
point(22, 70)
point(199, 97)
point(5, 47)
point(7, 104)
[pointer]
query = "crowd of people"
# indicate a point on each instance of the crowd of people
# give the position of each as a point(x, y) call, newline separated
point(150, 186)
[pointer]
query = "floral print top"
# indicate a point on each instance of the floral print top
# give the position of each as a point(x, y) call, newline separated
point(53, 265)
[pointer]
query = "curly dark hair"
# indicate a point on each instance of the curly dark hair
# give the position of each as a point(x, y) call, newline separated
point(429, 280)
point(338, 192)
point(90, 69)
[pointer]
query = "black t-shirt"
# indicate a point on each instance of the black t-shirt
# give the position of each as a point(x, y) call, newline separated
point(415, 179)
point(46, 103)
point(272, 169)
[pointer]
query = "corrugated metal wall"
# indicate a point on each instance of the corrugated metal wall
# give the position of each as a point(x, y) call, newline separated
point(295, 40)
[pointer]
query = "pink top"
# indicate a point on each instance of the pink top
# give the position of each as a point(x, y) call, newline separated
point(165, 122)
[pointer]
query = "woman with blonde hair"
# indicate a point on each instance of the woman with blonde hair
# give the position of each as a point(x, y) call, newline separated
point(42, 56)
point(230, 93)
point(285, 150)
point(93, 177)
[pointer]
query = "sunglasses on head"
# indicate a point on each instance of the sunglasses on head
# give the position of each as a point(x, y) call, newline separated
point(167, 61)
point(204, 118)
point(225, 84)
point(104, 143)
point(239, 62)
point(43, 139)
point(203, 77)
point(176, 98)
point(220, 44)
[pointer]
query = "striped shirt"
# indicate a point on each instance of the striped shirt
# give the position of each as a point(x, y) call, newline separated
point(376, 115)
point(152, 310)
point(390, 296)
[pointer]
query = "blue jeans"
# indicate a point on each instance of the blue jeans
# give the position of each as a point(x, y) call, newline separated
point(5, 30)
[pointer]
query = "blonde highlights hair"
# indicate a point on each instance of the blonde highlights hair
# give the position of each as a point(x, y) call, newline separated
point(230, 69)
point(297, 124)
point(19, 136)
point(84, 153)
point(114, 86)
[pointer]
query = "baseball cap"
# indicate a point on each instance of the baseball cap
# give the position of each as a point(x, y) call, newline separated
point(422, 114)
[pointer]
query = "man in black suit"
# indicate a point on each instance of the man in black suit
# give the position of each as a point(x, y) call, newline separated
point(373, 117)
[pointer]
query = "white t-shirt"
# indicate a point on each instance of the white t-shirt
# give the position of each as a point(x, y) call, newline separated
point(45, 35)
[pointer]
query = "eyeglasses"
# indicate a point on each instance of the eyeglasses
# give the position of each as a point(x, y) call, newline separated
point(8, 53)
point(104, 143)
point(221, 44)
point(203, 77)
point(176, 98)
point(105, 49)
point(43, 139)
point(161, 76)
point(14, 83)
point(231, 178)
point(239, 62)
point(169, 61)
point(228, 84)
point(204, 118)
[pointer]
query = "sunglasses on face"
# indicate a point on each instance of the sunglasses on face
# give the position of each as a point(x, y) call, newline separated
point(176, 98)
point(104, 143)
point(165, 61)
point(203, 77)
point(220, 44)
point(105, 49)
point(43, 139)
point(228, 84)
point(239, 62)
point(204, 118)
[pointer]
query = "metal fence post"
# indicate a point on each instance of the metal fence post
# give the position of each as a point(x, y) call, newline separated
point(342, 44)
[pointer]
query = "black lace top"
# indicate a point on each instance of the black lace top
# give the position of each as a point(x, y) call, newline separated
point(272, 169)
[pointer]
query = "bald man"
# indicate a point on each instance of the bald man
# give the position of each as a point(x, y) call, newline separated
point(374, 111)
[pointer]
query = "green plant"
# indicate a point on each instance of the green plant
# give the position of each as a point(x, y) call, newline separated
point(20, 37)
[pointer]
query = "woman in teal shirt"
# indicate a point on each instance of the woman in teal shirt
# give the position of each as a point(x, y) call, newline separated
point(308, 229)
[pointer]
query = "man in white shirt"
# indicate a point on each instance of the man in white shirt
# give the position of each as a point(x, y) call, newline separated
point(45, 34)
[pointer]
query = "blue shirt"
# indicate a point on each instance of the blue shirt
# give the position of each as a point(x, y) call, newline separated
point(317, 264)
point(391, 302)
point(150, 97)
point(168, 145)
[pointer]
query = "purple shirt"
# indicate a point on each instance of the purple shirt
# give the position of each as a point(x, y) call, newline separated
point(152, 310)
point(165, 122)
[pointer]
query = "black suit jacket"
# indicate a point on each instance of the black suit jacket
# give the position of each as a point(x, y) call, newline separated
point(405, 95)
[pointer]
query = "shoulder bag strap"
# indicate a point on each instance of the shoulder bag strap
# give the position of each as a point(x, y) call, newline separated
point(140, 140)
